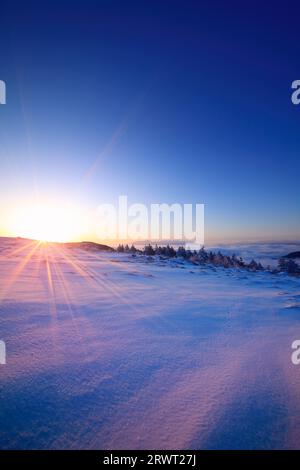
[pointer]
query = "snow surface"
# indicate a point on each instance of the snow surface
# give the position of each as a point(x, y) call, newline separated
point(110, 351)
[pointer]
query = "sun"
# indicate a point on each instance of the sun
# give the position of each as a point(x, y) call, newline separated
point(47, 222)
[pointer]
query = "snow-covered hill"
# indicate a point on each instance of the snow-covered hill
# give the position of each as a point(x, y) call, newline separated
point(106, 350)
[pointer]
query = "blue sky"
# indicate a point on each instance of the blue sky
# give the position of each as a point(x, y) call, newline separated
point(163, 101)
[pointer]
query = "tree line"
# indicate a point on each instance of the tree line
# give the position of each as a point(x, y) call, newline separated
point(204, 257)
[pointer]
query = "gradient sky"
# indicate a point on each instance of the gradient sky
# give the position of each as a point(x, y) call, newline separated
point(178, 101)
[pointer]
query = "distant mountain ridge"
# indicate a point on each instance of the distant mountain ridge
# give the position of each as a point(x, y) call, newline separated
point(84, 245)
point(293, 255)
point(88, 246)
